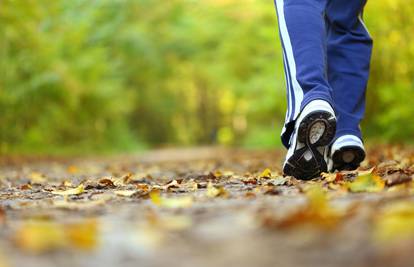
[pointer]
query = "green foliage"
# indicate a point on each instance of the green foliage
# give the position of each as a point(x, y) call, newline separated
point(390, 112)
point(114, 75)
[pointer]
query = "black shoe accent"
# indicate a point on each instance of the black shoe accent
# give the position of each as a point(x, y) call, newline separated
point(338, 158)
point(297, 166)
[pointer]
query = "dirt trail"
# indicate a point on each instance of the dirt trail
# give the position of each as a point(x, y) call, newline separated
point(205, 207)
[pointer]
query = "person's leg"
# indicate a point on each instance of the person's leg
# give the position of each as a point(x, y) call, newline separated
point(310, 120)
point(349, 47)
point(303, 35)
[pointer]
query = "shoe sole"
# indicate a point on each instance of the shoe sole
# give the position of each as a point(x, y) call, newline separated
point(308, 162)
point(348, 158)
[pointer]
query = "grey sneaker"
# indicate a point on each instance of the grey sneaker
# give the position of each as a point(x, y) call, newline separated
point(309, 146)
point(347, 153)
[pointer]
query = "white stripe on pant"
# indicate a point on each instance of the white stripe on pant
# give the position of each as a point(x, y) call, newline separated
point(297, 95)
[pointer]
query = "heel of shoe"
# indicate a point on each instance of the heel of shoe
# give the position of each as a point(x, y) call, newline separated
point(317, 120)
point(348, 158)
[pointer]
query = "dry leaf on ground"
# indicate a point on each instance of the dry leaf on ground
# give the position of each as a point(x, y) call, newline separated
point(73, 191)
point(176, 202)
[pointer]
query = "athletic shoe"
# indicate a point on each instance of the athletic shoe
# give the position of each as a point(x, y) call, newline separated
point(347, 153)
point(314, 130)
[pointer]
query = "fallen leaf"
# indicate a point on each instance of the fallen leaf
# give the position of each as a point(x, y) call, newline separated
point(73, 191)
point(67, 183)
point(83, 235)
point(328, 176)
point(218, 174)
point(266, 174)
point(250, 180)
point(143, 187)
point(107, 183)
point(125, 193)
point(332, 177)
point(397, 178)
point(395, 221)
point(190, 186)
point(127, 178)
point(369, 171)
point(177, 202)
point(25, 187)
point(40, 236)
point(172, 184)
point(216, 191)
point(316, 212)
point(271, 190)
point(366, 183)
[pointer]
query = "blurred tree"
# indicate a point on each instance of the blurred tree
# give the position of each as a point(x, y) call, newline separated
point(114, 75)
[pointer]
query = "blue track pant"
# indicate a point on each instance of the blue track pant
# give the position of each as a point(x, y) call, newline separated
point(327, 53)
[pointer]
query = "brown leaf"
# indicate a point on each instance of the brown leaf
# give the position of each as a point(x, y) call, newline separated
point(143, 187)
point(125, 193)
point(250, 180)
point(25, 187)
point(397, 178)
point(271, 190)
point(106, 183)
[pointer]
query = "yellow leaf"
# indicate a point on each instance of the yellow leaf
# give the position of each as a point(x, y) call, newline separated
point(317, 212)
point(40, 236)
point(216, 191)
point(177, 202)
point(370, 171)
point(266, 174)
point(67, 183)
point(395, 222)
point(125, 193)
point(73, 191)
point(367, 183)
point(155, 197)
point(218, 174)
point(83, 235)
point(191, 185)
point(329, 177)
